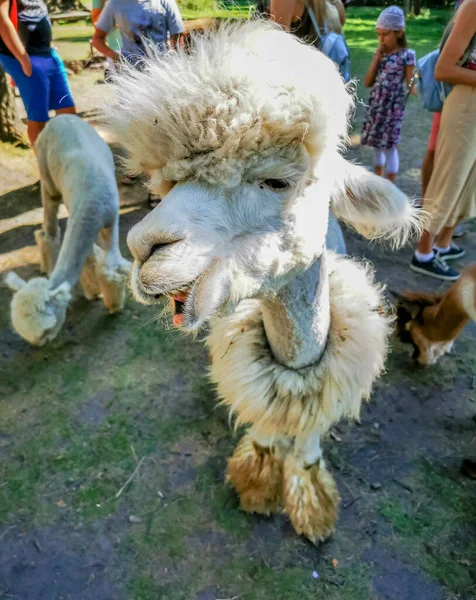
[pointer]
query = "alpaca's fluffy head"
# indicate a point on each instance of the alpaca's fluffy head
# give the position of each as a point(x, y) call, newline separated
point(38, 312)
point(411, 326)
point(241, 136)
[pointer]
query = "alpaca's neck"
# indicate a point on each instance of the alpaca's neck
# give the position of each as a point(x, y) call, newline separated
point(297, 318)
point(75, 249)
point(446, 320)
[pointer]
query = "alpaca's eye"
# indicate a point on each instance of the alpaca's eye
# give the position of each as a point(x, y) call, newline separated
point(276, 184)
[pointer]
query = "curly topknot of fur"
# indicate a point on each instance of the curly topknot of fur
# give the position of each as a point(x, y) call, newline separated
point(229, 102)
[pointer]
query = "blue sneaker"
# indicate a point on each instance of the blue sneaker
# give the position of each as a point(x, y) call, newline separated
point(453, 253)
point(434, 268)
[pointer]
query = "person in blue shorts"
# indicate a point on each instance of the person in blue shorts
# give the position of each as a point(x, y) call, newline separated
point(26, 55)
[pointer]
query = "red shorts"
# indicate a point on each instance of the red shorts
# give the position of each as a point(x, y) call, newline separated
point(435, 128)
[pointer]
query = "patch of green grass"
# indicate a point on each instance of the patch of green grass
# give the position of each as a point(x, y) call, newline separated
point(166, 527)
point(251, 579)
point(432, 531)
point(13, 151)
point(145, 588)
point(193, 9)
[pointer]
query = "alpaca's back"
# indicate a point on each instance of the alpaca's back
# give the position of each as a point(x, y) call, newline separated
point(77, 165)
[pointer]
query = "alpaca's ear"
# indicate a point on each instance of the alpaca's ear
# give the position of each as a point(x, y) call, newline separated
point(372, 205)
point(406, 309)
point(14, 282)
point(207, 296)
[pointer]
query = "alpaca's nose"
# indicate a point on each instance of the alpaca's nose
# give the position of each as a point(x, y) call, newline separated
point(143, 242)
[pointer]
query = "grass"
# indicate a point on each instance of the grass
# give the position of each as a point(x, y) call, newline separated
point(430, 530)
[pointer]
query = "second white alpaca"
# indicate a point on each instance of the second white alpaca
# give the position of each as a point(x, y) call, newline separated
point(76, 167)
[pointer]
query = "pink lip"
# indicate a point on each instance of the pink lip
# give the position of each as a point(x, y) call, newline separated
point(180, 297)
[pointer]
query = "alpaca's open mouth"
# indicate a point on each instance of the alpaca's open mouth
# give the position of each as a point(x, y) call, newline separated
point(178, 307)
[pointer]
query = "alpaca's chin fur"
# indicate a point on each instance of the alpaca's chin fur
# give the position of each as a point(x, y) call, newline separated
point(278, 400)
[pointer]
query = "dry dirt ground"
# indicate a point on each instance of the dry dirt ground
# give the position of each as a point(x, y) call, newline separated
point(116, 395)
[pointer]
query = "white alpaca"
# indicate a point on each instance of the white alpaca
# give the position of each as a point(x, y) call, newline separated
point(244, 135)
point(76, 167)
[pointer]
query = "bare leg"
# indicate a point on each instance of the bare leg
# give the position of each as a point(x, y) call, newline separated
point(425, 245)
point(391, 177)
point(71, 110)
point(379, 171)
point(256, 470)
point(445, 236)
point(310, 495)
point(34, 128)
point(427, 170)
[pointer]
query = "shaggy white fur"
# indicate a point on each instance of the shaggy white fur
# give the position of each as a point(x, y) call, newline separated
point(76, 167)
point(280, 401)
point(235, 107)
point(242, 139)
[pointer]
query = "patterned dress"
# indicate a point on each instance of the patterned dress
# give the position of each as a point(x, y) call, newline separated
point(383, 121)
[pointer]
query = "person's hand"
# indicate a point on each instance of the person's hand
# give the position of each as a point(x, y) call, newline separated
point(25, 63)
point(379, 52)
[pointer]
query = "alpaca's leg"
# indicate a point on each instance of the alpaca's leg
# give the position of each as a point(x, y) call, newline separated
point(256, 470)
point(89, 280)
point(48, 239)
point(112, 269)
point(310, 494)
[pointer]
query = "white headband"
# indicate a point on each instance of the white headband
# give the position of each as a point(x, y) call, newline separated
point(391, 18)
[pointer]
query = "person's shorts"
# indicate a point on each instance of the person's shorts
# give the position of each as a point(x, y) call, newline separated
point(47, 88)
point(435, 128)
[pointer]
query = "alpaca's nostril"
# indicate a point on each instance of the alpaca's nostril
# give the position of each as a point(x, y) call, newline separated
point(156, 247)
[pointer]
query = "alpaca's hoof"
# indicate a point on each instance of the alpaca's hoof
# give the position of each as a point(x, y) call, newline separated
point(311, 499)
point(256, 473)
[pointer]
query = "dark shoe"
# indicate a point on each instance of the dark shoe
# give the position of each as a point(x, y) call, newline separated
point(453, 253)
point(459, 232)
point(434, 268)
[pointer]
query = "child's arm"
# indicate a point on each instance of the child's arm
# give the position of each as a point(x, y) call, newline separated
point(447, 68)
point(410, 79)
point(12, 40)
point(104, 25)
point(371, 75)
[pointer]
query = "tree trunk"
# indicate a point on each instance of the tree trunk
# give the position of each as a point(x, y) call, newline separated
point(8, 120)
point(417, 7)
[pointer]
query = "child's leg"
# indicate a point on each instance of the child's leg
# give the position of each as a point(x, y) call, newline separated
point(379, 161)
point(393, 163)
point(428, 161)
